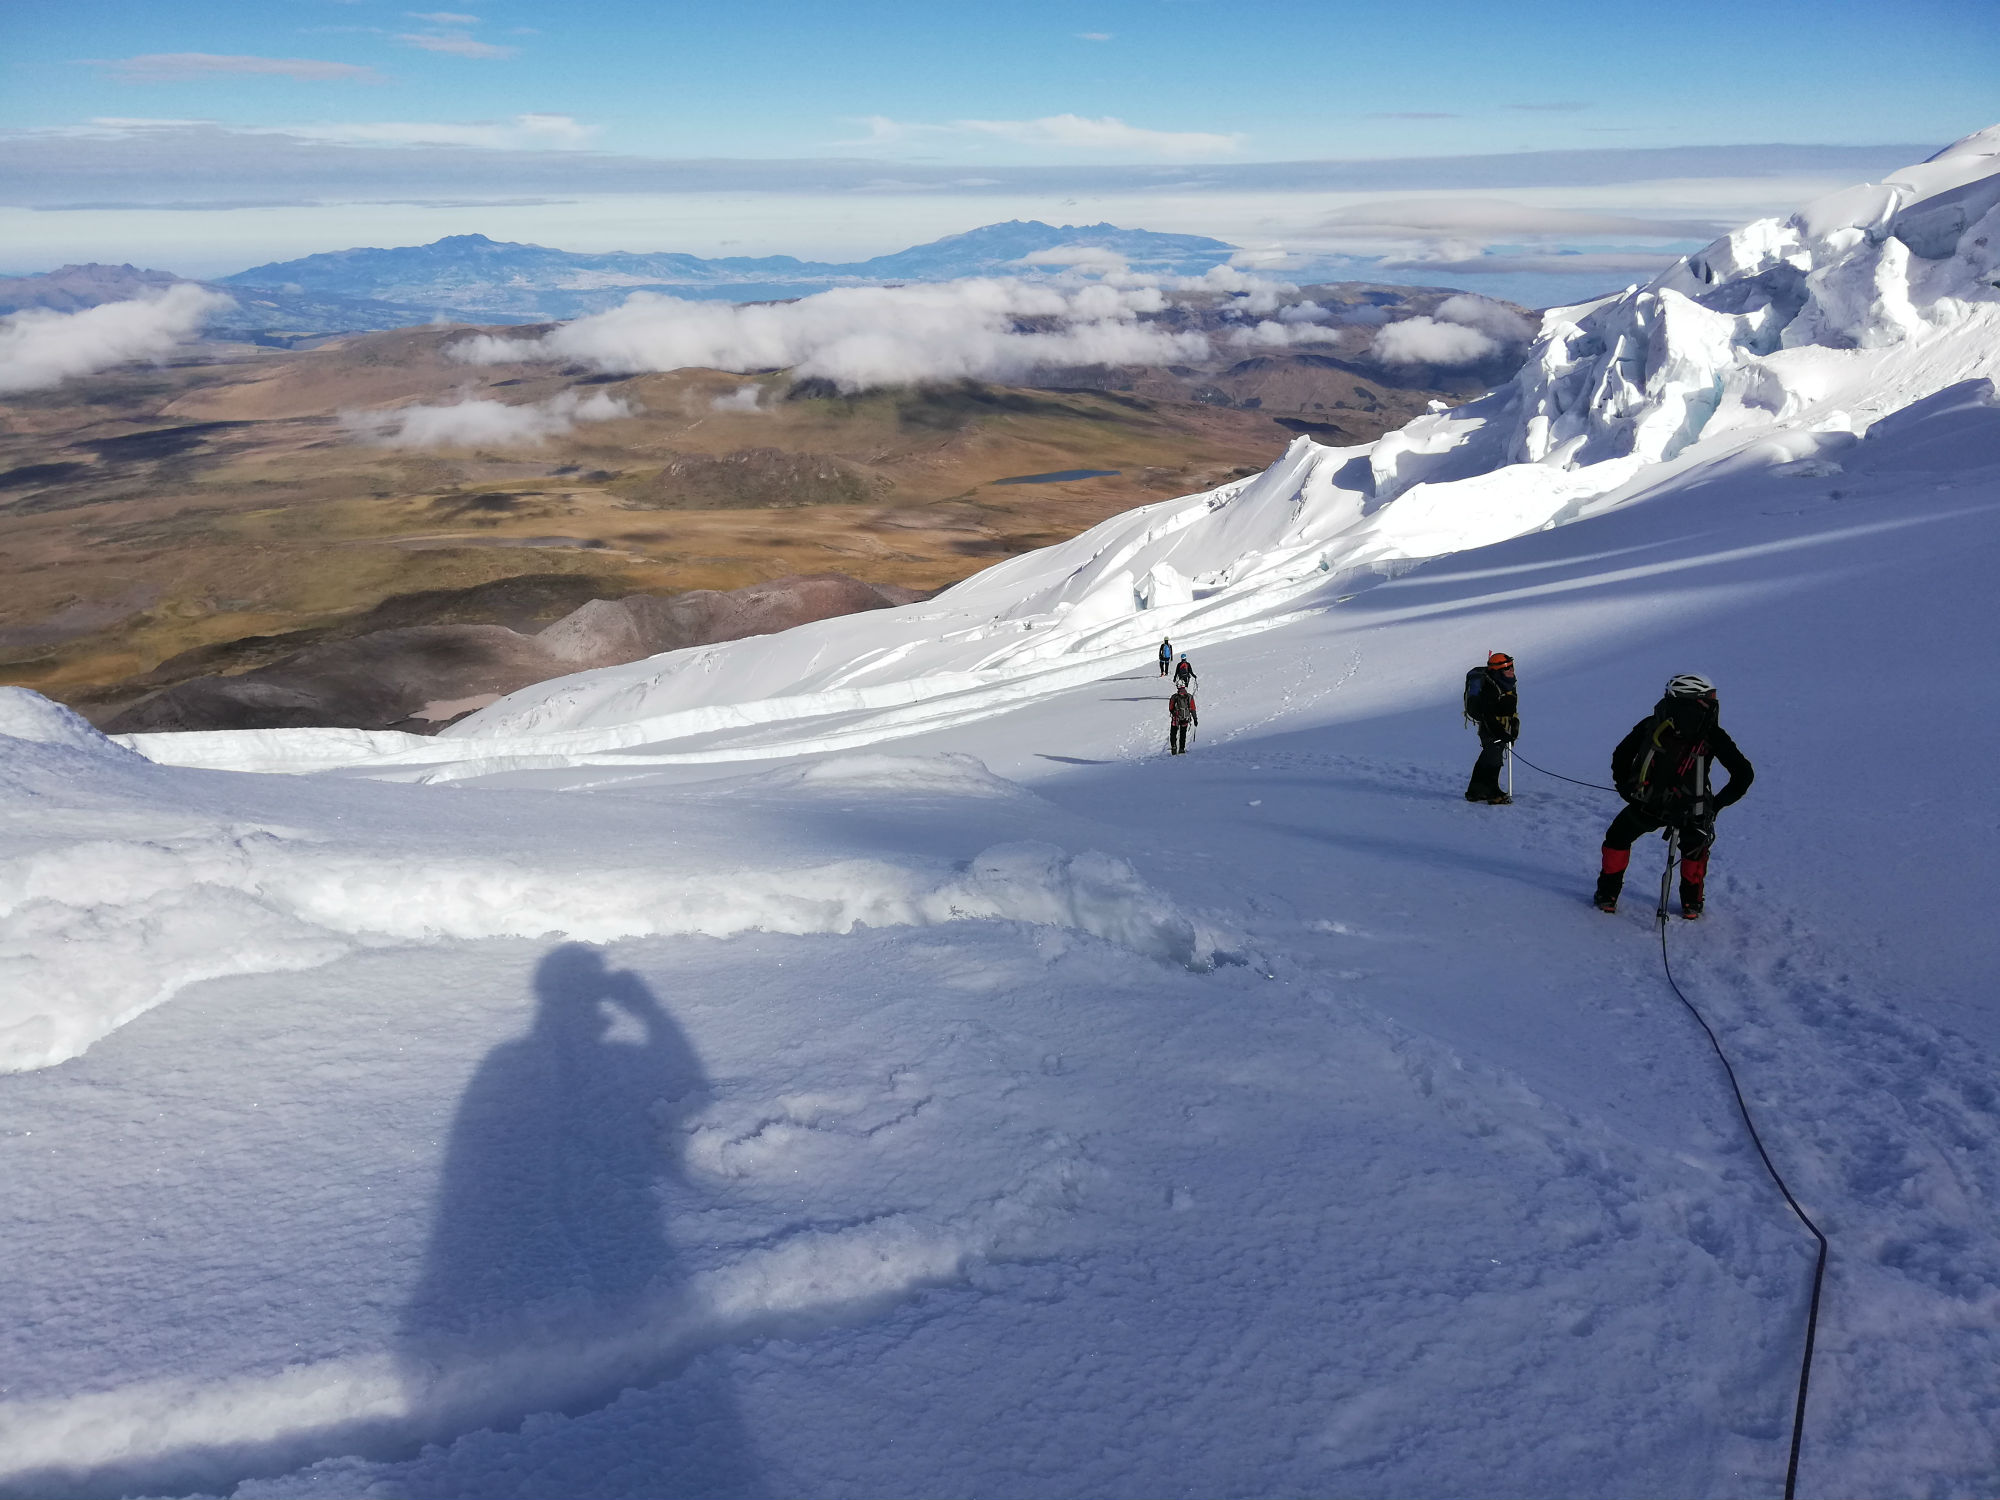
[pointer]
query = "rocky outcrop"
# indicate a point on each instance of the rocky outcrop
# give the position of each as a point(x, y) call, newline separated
point(422, 677)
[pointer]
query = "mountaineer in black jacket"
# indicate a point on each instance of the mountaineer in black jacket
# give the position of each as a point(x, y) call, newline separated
point(1661, 770)
point(1494, 706)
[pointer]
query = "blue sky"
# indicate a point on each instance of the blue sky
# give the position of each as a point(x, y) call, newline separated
point(112, 104)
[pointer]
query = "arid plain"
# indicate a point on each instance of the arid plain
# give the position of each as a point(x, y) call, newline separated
point(217, 512)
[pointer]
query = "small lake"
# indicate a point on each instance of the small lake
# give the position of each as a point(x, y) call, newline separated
point(1059, 476)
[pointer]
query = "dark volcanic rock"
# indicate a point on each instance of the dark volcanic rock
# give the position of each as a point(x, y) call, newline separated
point(371, 682)
point(422, 677)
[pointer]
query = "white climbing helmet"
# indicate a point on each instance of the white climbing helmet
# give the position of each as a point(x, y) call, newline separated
point(1690, 685)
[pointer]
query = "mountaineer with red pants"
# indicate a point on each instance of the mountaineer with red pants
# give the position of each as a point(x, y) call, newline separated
point(1661, 770)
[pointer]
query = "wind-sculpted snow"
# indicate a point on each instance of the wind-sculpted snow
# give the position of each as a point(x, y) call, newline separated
point(1778, 339)
point(143, 896)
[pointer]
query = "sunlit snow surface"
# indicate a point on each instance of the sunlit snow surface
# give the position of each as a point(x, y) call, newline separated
point(857, 1062)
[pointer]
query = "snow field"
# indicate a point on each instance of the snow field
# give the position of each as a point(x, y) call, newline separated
point(1006, 1173)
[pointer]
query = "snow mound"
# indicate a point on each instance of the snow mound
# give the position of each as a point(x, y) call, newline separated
point(95, 932)
point(30, 719)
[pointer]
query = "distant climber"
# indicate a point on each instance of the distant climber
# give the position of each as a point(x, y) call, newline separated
point(1493, 706)
point(1184, 673)
point(1180, 715)
point(1661, 770)
point(1166, 657)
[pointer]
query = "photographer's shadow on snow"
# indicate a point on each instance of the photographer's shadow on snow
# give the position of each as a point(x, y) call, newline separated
point(550, 1283)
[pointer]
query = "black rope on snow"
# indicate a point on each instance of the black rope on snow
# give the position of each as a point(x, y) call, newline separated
point(1742, 1108)
point(1557, 774)
point(1819, 1267)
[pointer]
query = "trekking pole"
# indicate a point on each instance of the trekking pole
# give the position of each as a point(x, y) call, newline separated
point(1667, 875)
point(1510, 770)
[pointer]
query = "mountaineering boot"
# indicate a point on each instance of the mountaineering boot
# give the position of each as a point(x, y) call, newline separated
point(1500, 799)
point(1694, 875)
point(1611, 878)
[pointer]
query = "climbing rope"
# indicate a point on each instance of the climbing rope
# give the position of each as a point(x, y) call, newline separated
point(1743, 1108)
point(1557, 774)
point(1750, 1125)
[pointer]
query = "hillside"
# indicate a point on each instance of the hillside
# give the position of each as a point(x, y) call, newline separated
point(158, 524)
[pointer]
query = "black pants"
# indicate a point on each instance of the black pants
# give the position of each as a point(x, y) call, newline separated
point(1485, 783)
point(1697, 838)
point(1165, 667)
point(1634, 823)
point(1177, 739)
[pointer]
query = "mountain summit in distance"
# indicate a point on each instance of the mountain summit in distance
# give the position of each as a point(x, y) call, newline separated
point(473, 278)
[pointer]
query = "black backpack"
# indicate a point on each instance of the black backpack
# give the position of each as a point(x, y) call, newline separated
point(1672, 763)
point(1478, 684)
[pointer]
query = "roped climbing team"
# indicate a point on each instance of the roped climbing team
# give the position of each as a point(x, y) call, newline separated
point(1662, 769)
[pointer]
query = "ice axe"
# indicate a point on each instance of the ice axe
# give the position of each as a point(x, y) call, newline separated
point(1673, 838)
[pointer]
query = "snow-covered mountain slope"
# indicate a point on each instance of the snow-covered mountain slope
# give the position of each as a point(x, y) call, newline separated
point(1013, 1109)
point(1781, 343)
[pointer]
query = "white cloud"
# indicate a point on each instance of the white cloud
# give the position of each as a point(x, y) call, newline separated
point(39, 348)
point(1476, 220)
point(482, 424)
point(1260, 294)
point(1304, 312)
point(743, 398)
point(1106, 134)
point(1495, 319)
point(456, 44)
point(523, 132)
point(1063, 132)
point(1093, 36)
point(1282, 335)
point(180, 67)
point(863, 337)
point(1424, 341)
point(442, 17)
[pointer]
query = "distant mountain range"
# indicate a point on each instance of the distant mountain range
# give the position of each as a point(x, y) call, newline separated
point(469, 278)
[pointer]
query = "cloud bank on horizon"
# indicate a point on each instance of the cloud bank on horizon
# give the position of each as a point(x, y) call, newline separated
point(1444, 164)
point(1537, 228)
